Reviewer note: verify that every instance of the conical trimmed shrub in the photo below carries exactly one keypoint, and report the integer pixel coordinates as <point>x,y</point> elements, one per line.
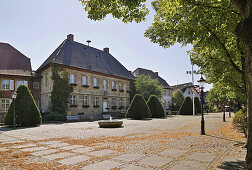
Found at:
<point>26,110</point>
<point>155,106</point>
<point>186,108</point>
<point>197,105</point>
<point>138,109</point>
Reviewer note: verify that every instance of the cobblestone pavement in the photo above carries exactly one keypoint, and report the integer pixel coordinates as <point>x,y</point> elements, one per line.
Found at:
<point>172,143</point>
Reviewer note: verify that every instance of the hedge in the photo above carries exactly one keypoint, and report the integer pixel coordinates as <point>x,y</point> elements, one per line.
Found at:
<point>26,110</point>
<point>138,109</point>
<point>186,108</point>
<point>197,105</point>
<point>155,106</point>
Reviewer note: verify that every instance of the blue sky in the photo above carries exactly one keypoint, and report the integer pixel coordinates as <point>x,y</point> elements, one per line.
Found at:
<point>36,28</point>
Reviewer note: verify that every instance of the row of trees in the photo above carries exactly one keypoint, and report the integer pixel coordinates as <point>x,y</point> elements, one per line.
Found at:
<point>219,30</point>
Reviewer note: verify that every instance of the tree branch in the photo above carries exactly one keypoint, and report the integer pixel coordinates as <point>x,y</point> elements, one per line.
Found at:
<point>226,51</point>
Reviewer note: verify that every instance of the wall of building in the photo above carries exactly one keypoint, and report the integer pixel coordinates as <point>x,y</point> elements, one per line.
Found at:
<point>189,92</point>
<point>167,98</point>
<point>76,106</point>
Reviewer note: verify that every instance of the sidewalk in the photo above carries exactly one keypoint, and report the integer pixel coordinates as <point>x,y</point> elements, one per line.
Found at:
<point>172,143</point>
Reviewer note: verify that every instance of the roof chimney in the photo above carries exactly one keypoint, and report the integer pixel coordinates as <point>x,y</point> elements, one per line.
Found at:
<point>156,73</point>
<point>70,37</point>
<point>106,49</point>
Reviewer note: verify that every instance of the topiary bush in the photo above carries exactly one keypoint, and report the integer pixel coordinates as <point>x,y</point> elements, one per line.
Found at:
<point>138,109</point>
<point>186,108</point>
<point>155,106</point>
<point>26,110</point>
<point>197,105</point>
<point>240,121</point>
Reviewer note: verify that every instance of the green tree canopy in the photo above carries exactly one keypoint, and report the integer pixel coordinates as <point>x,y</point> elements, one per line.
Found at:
<point>61,90</point>
<point>147,86</point>
<point>177,99</point>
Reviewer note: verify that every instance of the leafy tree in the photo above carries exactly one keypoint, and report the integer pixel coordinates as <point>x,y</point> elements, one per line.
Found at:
<point>61,91</point>
<point>197,105</point>
<point>155,106</point>
<point>177,99</point>
<point>186,107</point>
<point>138,109</point>
<point>147,86</point>
<point>221,28</point>
<point>26,110</point>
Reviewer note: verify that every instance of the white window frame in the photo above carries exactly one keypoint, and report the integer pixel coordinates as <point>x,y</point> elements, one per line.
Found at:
<point>5,105</point>
<point>18,83</point>
<point>95,82</point>
<point>35,85</point>
<point>127,87</point>
<point>85,100</point>
<point>5,84</point>
<point>120,86</point>
<point>104,82</point>
<point>73,100</point>
<point>96,101</point>
<point>113,85</point>
<point>72,79</point>
<point>84,80</point>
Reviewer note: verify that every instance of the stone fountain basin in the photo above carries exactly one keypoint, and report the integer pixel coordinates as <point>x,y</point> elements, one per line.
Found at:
<point>110,123</point>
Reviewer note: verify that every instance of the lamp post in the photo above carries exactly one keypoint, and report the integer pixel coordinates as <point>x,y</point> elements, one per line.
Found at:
<point>224,116</point>
<point>191,73</point>
<point>201,84</point>
<point>14,95</point>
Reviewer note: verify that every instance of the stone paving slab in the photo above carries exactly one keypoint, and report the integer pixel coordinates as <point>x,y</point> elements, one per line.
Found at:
<point>156,161</point>
<point>202,156</point>
<point>49,142</point>
<point>188,165</point>
<point>105,165</point>
<point>101,152</point>
<point>34,149</point>
<point>13,141</point>
<point>129,157</point>
<point>83,150</point>
<point>134,167</point>
<point>58,155</point>
<point>173,152</point>
<point>24,146</point>
<point>57,145</point>
<point>4,149</point>
<point>71,147</point>
<point>74,160</point>
<point>44,152</point>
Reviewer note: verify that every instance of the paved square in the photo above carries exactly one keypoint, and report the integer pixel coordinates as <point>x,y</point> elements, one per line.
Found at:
<point>44,152</point>
<point>156,161</point>
<point>58,155</point>
<point>173,152</point>
<point>57,145</point>
<point>71,147</point>
<point>202,156</point>
<point>33,149</point>
<point>129,157</point>
<point>134,167</point>
<point>24,146</point>
<point>83,150</point>
<point>105,165</point>
<point>73,160</point>
<point>101,152</point>
<point>189,165</point>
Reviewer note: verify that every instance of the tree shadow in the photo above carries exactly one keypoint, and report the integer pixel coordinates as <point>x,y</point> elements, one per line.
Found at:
<point>231,165</point>
<point>10,128</point>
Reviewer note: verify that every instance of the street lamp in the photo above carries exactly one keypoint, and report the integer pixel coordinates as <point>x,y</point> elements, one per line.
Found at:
<point>14,95</point>
<point>224,116</point>
<point>201,84</point>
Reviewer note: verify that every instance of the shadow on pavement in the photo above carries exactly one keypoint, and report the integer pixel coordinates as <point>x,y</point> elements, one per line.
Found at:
<point>231,165</point>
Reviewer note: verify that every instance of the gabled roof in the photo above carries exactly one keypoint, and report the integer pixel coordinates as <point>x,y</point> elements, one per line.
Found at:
<point>153,75</point>
<point>13,62</point>
<point>74,54</point>
<point>182,86</point>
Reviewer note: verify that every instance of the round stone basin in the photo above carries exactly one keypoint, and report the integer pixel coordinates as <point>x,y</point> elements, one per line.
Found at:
<point>110,123</point>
